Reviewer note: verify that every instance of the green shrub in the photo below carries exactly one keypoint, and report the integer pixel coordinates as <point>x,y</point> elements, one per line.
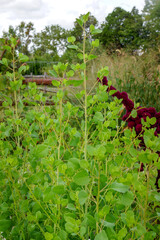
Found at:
<point>72,171</point>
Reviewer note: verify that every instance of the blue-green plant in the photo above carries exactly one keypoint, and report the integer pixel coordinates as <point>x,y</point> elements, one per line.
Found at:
<point>72,171</point>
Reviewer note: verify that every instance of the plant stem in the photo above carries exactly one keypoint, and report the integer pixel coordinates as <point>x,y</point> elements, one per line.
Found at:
<point>85,111</point>
<point>98,195</point>
<point>15,94</point>
<point>85,101</point>
<point>60,135</point>
<point>146,200</point>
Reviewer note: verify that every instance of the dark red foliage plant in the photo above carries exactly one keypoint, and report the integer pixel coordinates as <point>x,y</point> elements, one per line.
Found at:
<point>136,122</point>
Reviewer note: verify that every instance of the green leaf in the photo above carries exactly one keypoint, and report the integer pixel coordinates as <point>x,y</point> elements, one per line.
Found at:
<point>109,147</point>
<point>82,197</point>
<point>56,83</point>
<point>82,231</point>
<point>83,66</point>
<point>96,31</point>
<point>23,68</point>
<point>98,117</point>
<point>53,73</point>
<point>95,43</point>
<point>86,16</point>
<point>92,27</point>
<point>38,215</point>
<point>9,100</point>
<point>60,189</point>
<point>101,236</point>
<point>74,82</point>
<point>73,47</point>
<point>157,197</point>
<point>5,61</point>
<point>71,207</point>
<point>104,211</point>
<point>48,236</point>
<point>71,39</point>
<point>119,187</point>
<point>152,121</point>
<point>4,206</point>
<point>107,224</point>
<point>70,227</point>
<point>23,205</point>
<point>103,72</point>
<point>74,162</point>
<point>62,66</point>
<point>23,58</point>
<point>141,230</point>
<point>91,56</point>
<point>133,152</point>
<point>80,22</point>
<point>90,221</point>
<point>15,85</point>
<point>13,41</point>
<point>91,150</point>
<point>81,178</point>
<point>70,73</point>
<point>100,151</point>
<point>8,48</point>
<point>5,225</point>
<point>80,56</point>
<point>48,195</point>
<point>63,235</point>
<point>122,233</point>
<point>41,151</point>
<point>57,238</point>
<point>127,198</point>
<point>134,113</point>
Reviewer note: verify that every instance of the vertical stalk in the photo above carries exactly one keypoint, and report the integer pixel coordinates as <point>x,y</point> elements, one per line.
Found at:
<point>60,132</point>
<point>15,94</point>
<point>98,195</point>
<point>85,111</point>
<point>85,101</point>
<point>146,200</point>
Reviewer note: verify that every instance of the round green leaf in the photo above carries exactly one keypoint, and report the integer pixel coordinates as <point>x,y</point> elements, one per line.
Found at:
<point>101,236</point>
<point>82,196</point>
<point>48,236</point>
<point>119,187</point>
<point>81,178</point>
<point>55,83</point>
<point>71,39</point>
<point>98,117</point>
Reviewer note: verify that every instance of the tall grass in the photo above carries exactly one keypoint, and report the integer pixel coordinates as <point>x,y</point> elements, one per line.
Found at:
<point>139,76</point>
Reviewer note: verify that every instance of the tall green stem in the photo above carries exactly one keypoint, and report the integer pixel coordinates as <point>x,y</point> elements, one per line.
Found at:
<point>98,194</point>
<point>60,133</point>
<point>85,89</point>
<point>15,94</point>
<point>85,110</point>
<point>147,193</point>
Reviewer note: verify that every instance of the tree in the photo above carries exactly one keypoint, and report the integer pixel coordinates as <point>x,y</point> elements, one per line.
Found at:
<point>151,14</point>
<point>122,29</point>
<point>50,42</point>
<point>23,32</point>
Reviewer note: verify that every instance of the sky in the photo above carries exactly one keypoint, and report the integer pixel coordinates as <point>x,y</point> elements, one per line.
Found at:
<point>63,12</point>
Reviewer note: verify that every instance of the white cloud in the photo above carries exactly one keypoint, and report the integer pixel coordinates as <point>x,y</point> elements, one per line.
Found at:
<point>62,12</point>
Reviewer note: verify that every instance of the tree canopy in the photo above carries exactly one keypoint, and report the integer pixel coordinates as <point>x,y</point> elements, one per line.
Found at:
<point>121,29</point>
<point>151,15</point>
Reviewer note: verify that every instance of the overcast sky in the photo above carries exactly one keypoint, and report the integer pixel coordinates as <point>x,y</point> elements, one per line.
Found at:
<point>63,12</point>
